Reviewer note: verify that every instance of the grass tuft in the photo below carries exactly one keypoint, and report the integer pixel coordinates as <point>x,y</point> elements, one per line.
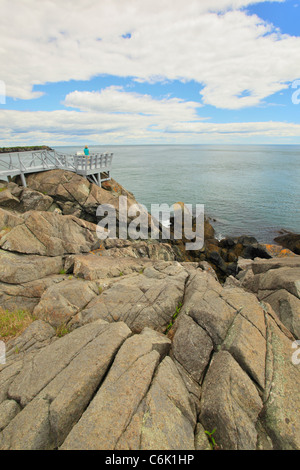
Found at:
<point>62,331</point>
<point>174,316</point>
<point>211,439</point>
<point>12,324</point>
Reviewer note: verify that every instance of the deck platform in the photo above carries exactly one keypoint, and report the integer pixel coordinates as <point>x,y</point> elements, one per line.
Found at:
<point>95,167</point>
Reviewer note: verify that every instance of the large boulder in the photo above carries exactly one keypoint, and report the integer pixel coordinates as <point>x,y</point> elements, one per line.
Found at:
<point>290,241</point>
<point>57,384</point>
<point>230,404</point>
<point>23,279</point>
<point>19,269</point>
<point>191,347</point>
<point>146,299</point>
<point>8,219</point>
<point>206,305</point>
<point>134,411</point>
<point>281,393</point>
<point>27,295</point>
<point>38,335</point>
<point>277,282</point>
<point>166,418</point>
<point>75,195</point>
<point>48,234</point>
<point>21,199</point>
<point>60,302</point>
<point>152,249</point>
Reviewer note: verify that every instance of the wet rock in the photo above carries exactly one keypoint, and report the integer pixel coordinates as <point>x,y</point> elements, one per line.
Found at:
<point>290,241</point>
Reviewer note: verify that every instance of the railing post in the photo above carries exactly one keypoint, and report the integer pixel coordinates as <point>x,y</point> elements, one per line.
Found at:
<point>23,179</point>
<point>22,167</point>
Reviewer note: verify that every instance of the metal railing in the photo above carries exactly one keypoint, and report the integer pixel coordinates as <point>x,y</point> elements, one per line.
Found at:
<point>22,163</point>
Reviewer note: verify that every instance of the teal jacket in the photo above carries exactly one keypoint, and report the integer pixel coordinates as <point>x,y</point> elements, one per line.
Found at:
<point>86,152</point>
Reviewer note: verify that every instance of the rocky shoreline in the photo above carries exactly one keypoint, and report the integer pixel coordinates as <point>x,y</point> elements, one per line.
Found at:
<point>163,345</point>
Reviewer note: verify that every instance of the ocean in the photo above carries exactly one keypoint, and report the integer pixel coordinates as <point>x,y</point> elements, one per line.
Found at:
<point>246,189</point>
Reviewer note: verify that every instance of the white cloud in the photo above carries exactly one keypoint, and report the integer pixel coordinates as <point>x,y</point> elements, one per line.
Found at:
<point>68,127</point>
<point>115,100</point>
<point>227,53</point>
<point>237,60</point>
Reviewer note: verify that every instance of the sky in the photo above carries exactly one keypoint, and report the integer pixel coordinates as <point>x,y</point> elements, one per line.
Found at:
<point>134,72</point>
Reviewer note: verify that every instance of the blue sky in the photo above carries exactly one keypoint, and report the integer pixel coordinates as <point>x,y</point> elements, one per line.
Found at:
<point>131,72</point>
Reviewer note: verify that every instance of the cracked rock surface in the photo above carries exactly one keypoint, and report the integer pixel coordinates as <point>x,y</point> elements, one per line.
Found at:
<point>157,352</point>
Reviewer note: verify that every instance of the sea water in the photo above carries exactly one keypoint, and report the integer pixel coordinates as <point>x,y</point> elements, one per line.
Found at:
<point>253,189</point>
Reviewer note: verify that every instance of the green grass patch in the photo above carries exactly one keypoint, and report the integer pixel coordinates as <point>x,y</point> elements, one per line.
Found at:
<point>174,316</point>
<point>211,439</point>
<point>12,324</point>
<point>62,331</point>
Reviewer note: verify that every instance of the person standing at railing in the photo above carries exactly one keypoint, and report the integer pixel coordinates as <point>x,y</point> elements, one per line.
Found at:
<point>87,154</point>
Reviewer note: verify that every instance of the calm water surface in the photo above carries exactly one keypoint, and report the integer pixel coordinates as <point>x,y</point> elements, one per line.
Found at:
<point>252,190</point>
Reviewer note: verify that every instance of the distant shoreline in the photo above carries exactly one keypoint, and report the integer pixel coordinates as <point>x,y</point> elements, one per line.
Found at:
<point>23,149</point>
